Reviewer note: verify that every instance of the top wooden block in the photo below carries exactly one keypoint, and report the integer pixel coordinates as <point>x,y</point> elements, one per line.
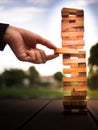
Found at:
<point>66,51</point>
<point>66,12</point>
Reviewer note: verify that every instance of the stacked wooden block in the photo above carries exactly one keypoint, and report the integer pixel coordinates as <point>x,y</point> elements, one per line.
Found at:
<point>74,59</point>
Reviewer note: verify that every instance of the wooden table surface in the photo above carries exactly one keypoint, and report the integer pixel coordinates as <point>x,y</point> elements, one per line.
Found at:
<point>44,114</point>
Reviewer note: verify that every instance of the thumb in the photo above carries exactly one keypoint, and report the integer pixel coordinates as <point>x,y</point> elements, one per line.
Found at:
<point>51,56</point>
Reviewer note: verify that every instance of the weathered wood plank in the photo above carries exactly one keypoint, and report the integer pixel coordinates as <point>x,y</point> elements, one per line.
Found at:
<point>82,74</point>
<point>69,70</point>
<point>73,29</point>
<point>75,83</point>
<point>71,11</point>
<point>16,112</point>
<point>74,97</point>
<point>77,88</point>
<point>73,46</point>
<point>76,42</point>
<point>78,27</point>
<point>71,79</point>
<point>75,102</point>
<point>93,108</point>
<point>52,118</point>
<point>74,65</point>
<point>72,17</point>
<point>81,64</point>
<point>75,56</point>
<point>74,74</point>
<point>79,93</point>
<point>70,61</point>
<point>72,34</point>
<point>65,27</point>
<point>72,38</point>
<point>66,51</point>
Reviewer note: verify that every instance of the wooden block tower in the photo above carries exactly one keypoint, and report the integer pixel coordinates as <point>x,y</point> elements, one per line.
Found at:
<point>74,59</point>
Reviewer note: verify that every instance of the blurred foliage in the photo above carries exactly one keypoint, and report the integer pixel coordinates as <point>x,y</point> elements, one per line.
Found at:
<point>93,67</point>
<point>12,77</point>
<point>31,78</point>
<point>17,77</point>
<point>26,93</point>
<point>33,75</point>
<point>93,59</point>
<point>58,76</point>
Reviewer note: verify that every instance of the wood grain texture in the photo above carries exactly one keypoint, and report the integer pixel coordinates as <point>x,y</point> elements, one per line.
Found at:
<point>66,51</point>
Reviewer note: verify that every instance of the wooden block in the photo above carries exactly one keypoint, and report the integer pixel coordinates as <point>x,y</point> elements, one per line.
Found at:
<point>74,98</point>
<point>81,64</point>
<point>70,26</point>
<point>70,21</point>
<point>79,102</point>
<point>82,54</point>
<point>77,88</point>
<point>71,11</point>
<point>66,51</point>
<point>73,17</point>
<point>67,102</point>
<point>75,104</point>
<point>70,61</point>
<point>75,84</point>
<point>71,107</point>
<point>76,42</point>
<point>69,70</point>
<point>80,111</point>
<point>83,83</point>
<point>66,56</point>
<point>74,74</point>
<point>74,56</point>
<point>73,46</point>
<point>74,65</point>
<point>79,93</point>
<point>76,79</point>
<point>72,38</point>
<point>72,29</point>
<point>72,34</point>
<point>82,74</point>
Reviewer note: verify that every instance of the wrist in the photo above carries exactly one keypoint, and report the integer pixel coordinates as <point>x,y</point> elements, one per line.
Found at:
<point>3,28</point>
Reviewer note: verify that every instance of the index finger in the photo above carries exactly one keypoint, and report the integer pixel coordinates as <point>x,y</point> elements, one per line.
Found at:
<point>46,43</point>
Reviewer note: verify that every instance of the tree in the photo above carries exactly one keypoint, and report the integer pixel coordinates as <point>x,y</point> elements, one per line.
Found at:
<point>13,77</point>
<point>1,81</point>
<point>93,67</point>
<point>58,76</point>
<point>93,59</point>
<point>33,75</point>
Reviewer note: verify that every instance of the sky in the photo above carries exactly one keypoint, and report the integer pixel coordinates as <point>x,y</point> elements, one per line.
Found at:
<point>44,18</point>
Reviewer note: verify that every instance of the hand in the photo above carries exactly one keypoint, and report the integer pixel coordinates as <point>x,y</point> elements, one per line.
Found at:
<point>23,44</point>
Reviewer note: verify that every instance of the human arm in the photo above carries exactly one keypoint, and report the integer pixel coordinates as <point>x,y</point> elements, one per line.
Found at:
<point>23,44</point>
